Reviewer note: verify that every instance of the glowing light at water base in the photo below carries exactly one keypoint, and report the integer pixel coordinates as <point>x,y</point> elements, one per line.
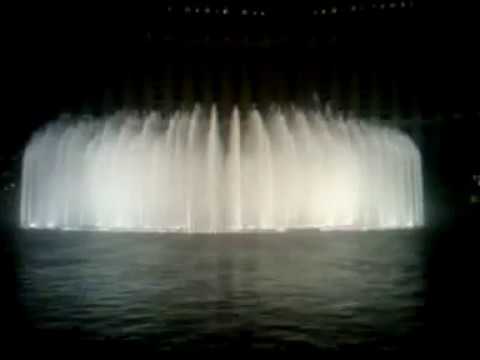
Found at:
<point>193,171</point>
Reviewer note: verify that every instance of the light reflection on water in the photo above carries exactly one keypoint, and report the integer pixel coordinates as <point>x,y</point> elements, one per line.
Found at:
<point>323,290</point>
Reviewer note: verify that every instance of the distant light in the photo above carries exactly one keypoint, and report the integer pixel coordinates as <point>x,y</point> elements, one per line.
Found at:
<point>476,178</point>
<point>262,13</point>
<point>324,11</point>
<point>354,8</point>
<point>382,6</point>
<point>187,9</point>
<point>254,13</point>
<point>197,10</point>
<point>32,225</point>
<point>402,4</point>
<point>244,12</point>
<point>207,10</point>
<point>393,5</point>
<point>225,11</point>
<point>334,10</point>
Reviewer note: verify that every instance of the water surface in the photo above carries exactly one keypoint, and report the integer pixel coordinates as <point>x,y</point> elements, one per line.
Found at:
<point>300,290</point>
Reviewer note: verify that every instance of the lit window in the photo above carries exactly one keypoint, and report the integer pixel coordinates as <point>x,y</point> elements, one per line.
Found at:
<point>197,10</point>
<point>334,10</point>
<point>244,12</point>
<point>262,13</point>
<point>225,11</point>
<point>324,11</point>
<point>207,10</point>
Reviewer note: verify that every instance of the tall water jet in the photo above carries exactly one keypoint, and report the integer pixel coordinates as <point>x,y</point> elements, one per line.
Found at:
<point>234,179</point>
<point>198,171</point>
<point>214,172</point>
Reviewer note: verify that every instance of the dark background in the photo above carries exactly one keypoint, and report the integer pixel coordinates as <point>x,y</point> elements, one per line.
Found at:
<point>411,64</point>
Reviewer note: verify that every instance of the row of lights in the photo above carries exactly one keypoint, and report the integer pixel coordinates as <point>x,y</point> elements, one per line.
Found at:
<point>224,11</point>
<point>374,6</point>
<point>333,10</point>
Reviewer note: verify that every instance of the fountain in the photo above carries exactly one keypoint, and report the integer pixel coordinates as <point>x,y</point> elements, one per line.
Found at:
<point>197,171</point>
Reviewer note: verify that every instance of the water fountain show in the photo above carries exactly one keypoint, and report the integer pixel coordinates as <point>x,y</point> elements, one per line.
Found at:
<point>240,176</point>
<point>198,171</point>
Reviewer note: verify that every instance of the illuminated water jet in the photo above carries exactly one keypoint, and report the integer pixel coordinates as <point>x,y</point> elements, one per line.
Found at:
<point>194,171</point>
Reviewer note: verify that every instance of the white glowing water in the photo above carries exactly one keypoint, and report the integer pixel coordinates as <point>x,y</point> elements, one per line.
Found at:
<point>194,172</point>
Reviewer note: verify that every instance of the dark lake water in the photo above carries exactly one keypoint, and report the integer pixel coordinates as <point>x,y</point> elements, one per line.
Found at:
<point>369,291</point>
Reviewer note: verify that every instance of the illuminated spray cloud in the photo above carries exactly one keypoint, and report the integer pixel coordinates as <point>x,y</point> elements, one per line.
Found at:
<point>197,171</point>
